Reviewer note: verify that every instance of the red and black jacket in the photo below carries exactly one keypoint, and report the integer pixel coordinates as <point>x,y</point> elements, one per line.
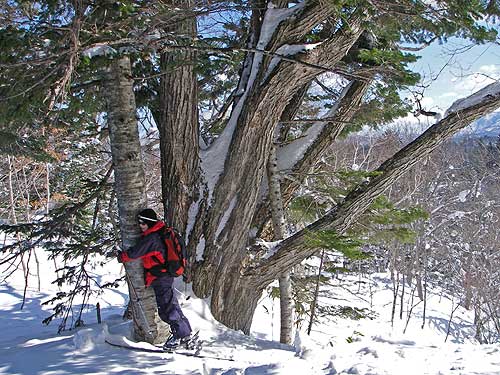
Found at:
<point>151,249</point>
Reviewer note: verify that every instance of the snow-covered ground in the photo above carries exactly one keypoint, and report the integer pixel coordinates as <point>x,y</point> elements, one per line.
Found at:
<point>337,346</point>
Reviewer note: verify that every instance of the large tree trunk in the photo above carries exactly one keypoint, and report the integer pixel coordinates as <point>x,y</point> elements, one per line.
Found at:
<point>129,186</point>
<point>178,125</point>
<point>227,268</point>
<point>265,91</point>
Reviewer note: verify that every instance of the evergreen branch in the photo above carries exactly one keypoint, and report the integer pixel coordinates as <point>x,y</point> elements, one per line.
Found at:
<point>50,227</point>
<point>30,88</point>
<point>422,46</point>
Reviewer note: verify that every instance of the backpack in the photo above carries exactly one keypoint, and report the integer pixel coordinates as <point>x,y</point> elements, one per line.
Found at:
<point>175,252</point>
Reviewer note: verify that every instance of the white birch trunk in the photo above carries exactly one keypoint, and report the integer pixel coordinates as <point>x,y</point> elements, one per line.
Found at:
<point>129,187</point>
<point>47,187</point>
<point>13,206</point>
<point>278,219</point>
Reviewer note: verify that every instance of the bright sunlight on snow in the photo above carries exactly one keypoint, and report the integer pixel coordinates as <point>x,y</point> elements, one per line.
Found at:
<point>338,345</point>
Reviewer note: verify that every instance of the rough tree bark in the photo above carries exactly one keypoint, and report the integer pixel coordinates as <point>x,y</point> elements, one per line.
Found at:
<point>178,125</point>
<point>265,90</point>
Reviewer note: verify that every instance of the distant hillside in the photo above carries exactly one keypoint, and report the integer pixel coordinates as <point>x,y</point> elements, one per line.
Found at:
<point>486,127</point>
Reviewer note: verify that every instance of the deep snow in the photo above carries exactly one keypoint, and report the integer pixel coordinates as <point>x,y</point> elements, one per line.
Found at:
<point>374,347</point>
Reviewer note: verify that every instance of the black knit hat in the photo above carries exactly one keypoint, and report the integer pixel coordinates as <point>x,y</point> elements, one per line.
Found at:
<point>147,216</point>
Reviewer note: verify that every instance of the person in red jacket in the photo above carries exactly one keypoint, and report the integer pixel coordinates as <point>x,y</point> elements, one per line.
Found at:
<point>151,249</point>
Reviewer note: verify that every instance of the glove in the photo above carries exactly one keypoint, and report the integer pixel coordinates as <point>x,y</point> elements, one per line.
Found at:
<point>117,252</point>
<point>123,257</point>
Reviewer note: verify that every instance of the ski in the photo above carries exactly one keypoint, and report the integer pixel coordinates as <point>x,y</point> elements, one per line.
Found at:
<point>161,351</point>
<point>204,356</point>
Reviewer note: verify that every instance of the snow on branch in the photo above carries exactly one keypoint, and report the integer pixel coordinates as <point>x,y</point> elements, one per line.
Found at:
<point>270,247</point>
<point>290,154</point>
<point>225,218</point>
<point>99,50</point>
<point>288,50</point>
<point>213,158</point>
<point>272,18</point>
<point>474,99</point>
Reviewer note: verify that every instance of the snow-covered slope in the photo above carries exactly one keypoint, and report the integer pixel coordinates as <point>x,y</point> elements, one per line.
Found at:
<point>486,127</point>
<point>336,346</point>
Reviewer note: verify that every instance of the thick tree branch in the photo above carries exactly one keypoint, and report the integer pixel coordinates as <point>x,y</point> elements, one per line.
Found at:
<point>345,110</point>
<point>293,250</point>
<point>293,30</point>
<point>332,127</point>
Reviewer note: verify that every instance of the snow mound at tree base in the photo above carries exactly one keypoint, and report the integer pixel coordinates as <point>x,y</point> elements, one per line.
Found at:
<point>88,339</point>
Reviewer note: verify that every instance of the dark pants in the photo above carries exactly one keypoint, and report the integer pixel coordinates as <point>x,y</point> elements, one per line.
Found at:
<point>168,307</point>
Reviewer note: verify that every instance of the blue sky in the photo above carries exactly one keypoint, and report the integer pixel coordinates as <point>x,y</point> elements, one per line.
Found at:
<point>455,70</point>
